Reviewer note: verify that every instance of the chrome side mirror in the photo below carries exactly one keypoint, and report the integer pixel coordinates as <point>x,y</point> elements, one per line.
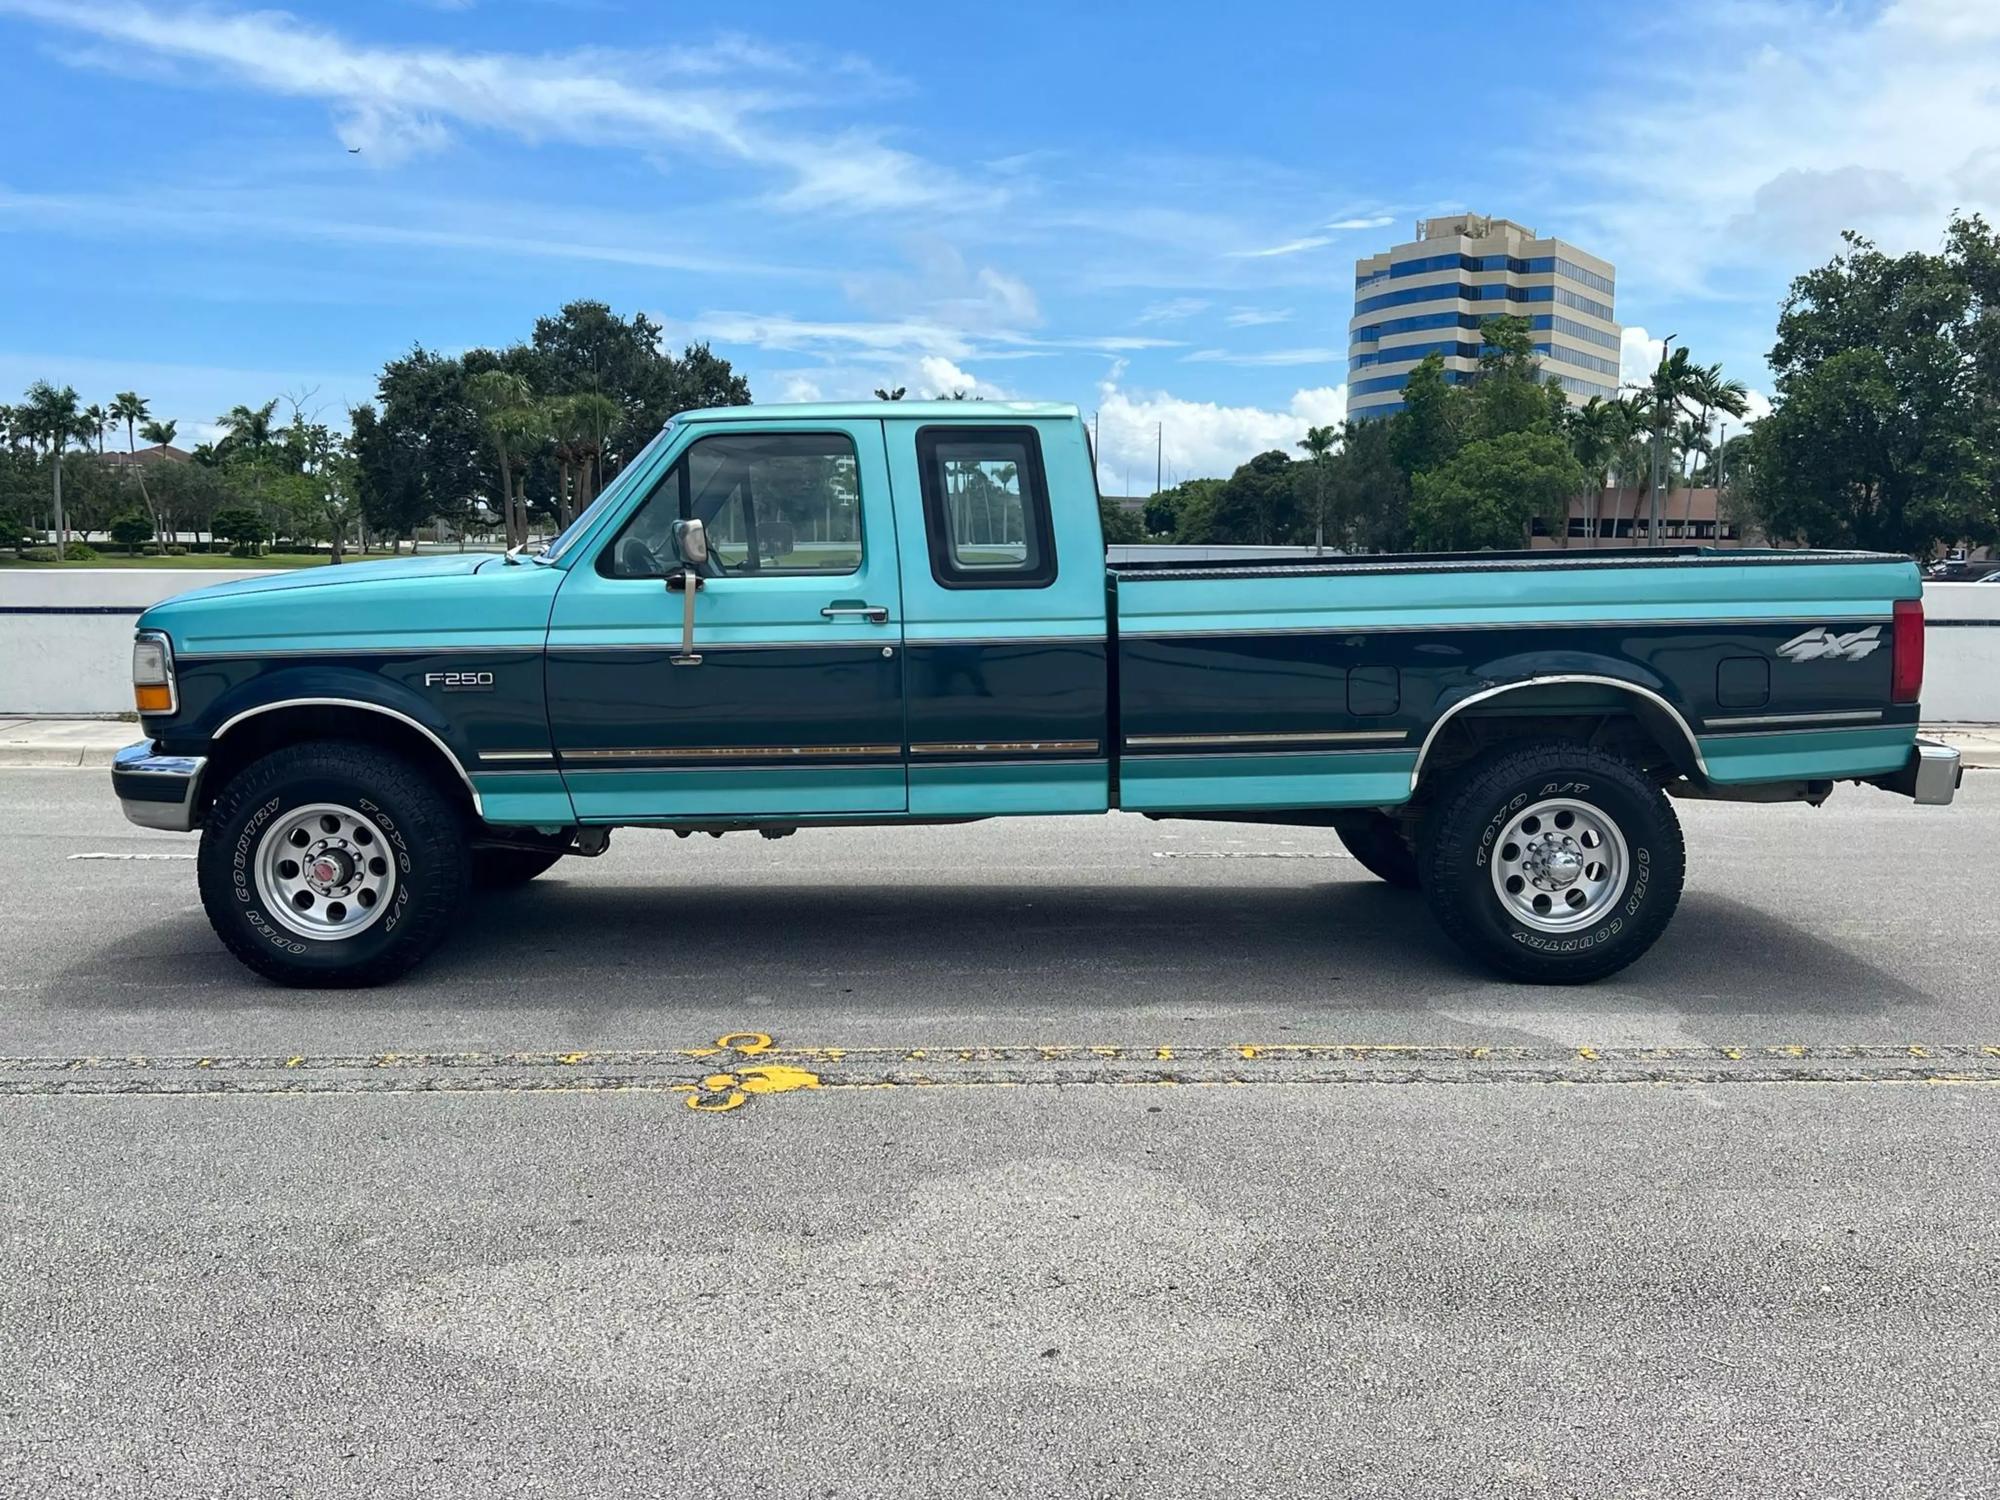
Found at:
<point>691,540</point>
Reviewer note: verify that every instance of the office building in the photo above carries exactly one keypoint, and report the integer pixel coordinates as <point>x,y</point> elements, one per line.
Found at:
<point>1432,294</point>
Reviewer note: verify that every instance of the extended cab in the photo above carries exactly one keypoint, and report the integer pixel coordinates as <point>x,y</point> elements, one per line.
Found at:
<point>787,617</point>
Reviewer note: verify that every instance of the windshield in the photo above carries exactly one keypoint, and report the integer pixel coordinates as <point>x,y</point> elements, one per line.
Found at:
<point>613,493</point>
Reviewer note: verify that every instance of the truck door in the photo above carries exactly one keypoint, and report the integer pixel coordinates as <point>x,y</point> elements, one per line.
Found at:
<point>791,703</point>
<point>1003,563</point>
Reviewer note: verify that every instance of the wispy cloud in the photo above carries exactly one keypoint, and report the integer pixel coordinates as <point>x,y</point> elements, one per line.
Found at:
<point>1258,317</point>
<point>1376,221</point>
<point>1289,247</point>
<point>733,97</point>
<point>1173,310</point>
<point>1320,356</point>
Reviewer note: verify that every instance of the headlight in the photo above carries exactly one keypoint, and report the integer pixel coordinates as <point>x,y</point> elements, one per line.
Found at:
<point>153,674</point>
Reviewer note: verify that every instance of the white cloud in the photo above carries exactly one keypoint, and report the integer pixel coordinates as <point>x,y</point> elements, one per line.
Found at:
<point>1198,438</point>
<point>1789,121</point>
<point>1173,310</point>
<point>800,388</point>
<point>1639,356</point>
<point>1289,247</point>
<point>940,377</point>
<point>1376,221</point>
<point>397,100</point>
<point>1257,317</point>
<point>1264,357</point>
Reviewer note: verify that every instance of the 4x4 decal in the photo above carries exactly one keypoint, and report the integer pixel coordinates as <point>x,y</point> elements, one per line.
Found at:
<point>1821,644</point>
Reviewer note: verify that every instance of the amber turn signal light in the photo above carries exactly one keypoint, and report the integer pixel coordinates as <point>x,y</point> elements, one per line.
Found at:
<point>153,700</point>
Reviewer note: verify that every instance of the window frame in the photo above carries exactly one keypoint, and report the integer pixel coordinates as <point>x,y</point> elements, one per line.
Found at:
<point>678,474</point>
<point>1036,517</point>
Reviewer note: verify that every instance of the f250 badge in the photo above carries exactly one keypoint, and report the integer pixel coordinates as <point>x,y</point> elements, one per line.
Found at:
<point>1821,644</point>
<point>460,682</point>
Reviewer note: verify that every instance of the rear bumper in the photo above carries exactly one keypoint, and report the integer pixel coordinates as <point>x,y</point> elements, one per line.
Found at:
<point>157,791</point>
<point>1930,776</point>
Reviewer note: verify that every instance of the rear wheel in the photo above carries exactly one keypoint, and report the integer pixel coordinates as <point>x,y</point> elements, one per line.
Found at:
<point>1553,861</point>
<point>1376,840</point>
<point>332,864</point>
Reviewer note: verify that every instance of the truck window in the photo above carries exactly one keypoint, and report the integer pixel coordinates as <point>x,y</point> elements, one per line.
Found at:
<point>986,507</point>
<point>771,502</point>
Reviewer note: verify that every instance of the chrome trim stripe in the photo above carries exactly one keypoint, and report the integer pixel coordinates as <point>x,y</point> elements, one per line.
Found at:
<point>376,708</point>
<point>1844,716</point>
<point>731,752</point>
<point>515,755</point>
<point>1005,640</point>
<point>1751,734</point>
<point>1003,762</point>
<point>1559,680</point>
<point>1011,747</point>
<point>534,650</point>
<point>1239,752</point>
<point>1134,634</point>
<point>1330,736</point>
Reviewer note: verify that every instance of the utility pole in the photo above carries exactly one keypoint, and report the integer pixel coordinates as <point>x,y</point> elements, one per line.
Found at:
<point>1659,428</point>
<point>1159,454</point>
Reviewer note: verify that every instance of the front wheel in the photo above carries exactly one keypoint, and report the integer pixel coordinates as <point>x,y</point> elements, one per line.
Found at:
<point>1553,861</point>
<point>332,865</point>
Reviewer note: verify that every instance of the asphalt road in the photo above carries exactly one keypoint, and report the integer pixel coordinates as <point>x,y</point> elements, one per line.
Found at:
<point>1698,1231</point>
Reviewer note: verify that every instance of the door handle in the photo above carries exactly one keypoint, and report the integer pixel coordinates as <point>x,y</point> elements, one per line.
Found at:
<point>874,614</point>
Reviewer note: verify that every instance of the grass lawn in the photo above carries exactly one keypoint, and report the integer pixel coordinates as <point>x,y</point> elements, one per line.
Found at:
<point>220,561</point>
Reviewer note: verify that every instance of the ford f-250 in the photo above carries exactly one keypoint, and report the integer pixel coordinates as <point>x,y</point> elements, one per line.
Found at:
<point>779,618</point>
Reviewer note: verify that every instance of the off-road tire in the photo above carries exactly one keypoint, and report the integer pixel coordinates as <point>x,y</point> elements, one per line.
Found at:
<point>1377,842</point>
<point>423,827</point>
<point>1457,848</point>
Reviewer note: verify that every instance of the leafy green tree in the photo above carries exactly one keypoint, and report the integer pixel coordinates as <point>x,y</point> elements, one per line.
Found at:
<point>1426,432</point>
<point>130,530</point>
<point>1597,431</point>
<point>242,526</point>
<point>1260,503</point>
<point>249,433</point>
<point>1370,492</point>
<point>1486,493</point>
<point>1121,526</point>
<point>1885,431</point>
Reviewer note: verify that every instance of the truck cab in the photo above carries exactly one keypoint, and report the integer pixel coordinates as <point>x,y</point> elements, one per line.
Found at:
<point>779,618</point>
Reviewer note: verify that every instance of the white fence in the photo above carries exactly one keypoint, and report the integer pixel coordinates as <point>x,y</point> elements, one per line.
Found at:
<point>66,640</point>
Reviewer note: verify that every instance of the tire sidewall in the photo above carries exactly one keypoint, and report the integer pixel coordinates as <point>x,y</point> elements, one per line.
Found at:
<point>1462,864</point>
<point>258,802</point>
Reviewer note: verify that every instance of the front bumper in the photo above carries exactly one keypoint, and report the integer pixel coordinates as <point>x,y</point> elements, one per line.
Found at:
<point>1930,776</point>
<point>157,791</point>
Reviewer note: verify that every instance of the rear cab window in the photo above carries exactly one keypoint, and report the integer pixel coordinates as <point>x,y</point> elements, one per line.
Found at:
<point>986,507</point>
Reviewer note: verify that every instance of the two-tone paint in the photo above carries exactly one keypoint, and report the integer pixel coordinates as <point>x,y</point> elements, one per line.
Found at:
<point>551,687</point>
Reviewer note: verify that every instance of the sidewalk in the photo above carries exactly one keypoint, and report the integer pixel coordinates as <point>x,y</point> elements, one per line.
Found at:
<point>92,742</point>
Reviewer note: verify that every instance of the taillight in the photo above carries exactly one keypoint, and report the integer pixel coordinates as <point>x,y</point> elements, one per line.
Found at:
<point>1906,671</point>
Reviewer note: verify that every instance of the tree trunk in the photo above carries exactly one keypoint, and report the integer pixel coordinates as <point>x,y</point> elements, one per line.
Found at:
<point>62,524</point>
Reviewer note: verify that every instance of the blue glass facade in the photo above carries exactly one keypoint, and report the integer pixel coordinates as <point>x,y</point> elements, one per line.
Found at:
<point>1532,265</point>
<point>1497,292</point>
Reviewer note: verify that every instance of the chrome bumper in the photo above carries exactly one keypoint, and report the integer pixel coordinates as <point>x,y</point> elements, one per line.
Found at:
<point>1930,776</point>
<point>157,791</point>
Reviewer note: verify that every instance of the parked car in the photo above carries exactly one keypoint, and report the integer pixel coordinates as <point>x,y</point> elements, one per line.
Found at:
<point>821,616</point>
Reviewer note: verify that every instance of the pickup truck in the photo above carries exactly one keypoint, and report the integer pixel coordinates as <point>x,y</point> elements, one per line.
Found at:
<point>791,617</point>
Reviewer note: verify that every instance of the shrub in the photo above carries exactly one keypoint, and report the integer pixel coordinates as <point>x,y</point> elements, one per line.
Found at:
<point>130,529</point>
<point>175,549</point>
<point>39,554</point>
<point>80,552</point>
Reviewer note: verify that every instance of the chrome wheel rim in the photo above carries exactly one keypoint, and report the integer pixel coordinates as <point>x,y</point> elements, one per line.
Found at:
<point>325,872</point>
<point>1560,865</point>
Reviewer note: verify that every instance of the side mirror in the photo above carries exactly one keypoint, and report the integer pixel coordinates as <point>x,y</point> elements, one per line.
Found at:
<point>691,539</point>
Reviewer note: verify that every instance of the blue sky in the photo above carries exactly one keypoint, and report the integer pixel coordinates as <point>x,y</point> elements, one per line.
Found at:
<point>1150,210</point>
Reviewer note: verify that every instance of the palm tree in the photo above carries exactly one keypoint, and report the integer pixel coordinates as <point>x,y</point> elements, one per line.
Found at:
<point>130,408</point>
<point>1713,394</point>
<point>1597,429</point>
<point>55,419</point>
<point>593,418</point>
<point>502,401</point>
<point>249,428</point>
<point>95,420</point>
<point>160,434</point>
<point>1320,443</point>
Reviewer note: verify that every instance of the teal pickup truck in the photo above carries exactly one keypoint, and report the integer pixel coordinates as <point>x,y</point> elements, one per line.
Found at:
<point>786,617</point>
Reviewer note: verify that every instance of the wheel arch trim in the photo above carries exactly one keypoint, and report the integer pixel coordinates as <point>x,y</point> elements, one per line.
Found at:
<point>1559,679</point>
<point>421,728</point>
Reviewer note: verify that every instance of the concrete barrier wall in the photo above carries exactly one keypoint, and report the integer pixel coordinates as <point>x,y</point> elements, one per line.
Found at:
<point>66,640</point>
